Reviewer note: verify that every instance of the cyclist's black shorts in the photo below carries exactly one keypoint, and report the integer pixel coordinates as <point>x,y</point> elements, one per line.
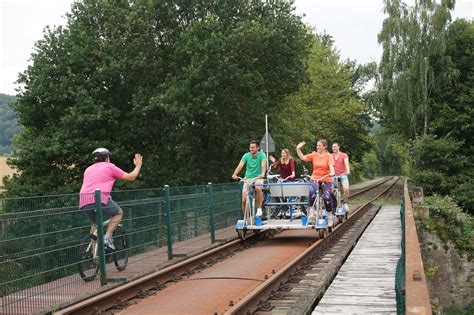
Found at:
<point>108,210</point>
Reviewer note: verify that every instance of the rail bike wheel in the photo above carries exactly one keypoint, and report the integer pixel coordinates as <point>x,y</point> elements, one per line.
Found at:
<point>341,218</point>
<point>88,265</point>
<point>120,254</point>
<point>323,233</point>
<point>242,234</point>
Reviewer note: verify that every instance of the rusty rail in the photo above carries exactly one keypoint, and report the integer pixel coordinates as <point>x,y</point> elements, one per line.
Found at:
<point>417,299</point>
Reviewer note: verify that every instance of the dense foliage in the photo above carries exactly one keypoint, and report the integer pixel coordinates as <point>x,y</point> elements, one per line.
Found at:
<point>450,223</point>
<point>424,98</point>
<point>414,42</point>
<point>328,106</point>
<point>8,123</point>
<point>187,84</point>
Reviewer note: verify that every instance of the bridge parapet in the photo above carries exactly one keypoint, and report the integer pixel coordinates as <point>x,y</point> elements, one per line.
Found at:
<point>416,296</point>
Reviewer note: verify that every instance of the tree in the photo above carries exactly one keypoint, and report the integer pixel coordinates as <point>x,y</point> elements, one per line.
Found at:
<point>413,38</point>
<point>424,91</point>
<point>454,108</point>
<point>184,83</point>
<point>453,101</point>
<point>8,123</point>
<point>327,106</point>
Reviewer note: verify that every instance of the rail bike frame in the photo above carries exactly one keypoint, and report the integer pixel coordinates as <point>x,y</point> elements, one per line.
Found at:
<point>340,211</point>
<point>276,196</point>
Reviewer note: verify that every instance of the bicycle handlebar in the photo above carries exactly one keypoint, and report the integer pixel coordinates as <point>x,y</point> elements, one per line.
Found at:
<point>316,179</point>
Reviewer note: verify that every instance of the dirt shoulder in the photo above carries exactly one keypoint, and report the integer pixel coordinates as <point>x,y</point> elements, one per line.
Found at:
<point>4,168</point>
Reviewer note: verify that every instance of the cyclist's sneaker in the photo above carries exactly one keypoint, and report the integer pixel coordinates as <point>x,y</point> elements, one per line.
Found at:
<point>108,242</point>
<point>345,206</point>
<point>259,212</point>
<point>312,220</point>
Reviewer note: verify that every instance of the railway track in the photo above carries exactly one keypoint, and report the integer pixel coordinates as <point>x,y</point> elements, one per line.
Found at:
<point>285,272</point>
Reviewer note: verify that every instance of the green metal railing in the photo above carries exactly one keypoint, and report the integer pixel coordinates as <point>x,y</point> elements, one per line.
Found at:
<point>40,239</point>
<point>400,271</point>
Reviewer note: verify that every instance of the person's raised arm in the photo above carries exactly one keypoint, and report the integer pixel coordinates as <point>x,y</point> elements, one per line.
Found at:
<point>298,150</point>
<point>237,171</point>
<point>130,177</point>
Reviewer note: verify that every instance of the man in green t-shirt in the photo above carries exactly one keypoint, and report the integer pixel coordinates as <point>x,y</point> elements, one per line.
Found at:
<point>255,163</point>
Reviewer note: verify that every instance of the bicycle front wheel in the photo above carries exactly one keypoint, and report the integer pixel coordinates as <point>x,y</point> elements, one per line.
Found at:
<point>120,254</point>
<point>88,265</point>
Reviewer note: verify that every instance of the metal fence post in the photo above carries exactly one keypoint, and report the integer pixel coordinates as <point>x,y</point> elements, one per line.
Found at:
<point>168,221</point>
<point>100,235</point>
<point>211,212</point>
<point>130,226</point>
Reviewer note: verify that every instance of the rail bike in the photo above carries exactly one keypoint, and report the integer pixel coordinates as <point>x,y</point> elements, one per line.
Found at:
<point>285,206</point>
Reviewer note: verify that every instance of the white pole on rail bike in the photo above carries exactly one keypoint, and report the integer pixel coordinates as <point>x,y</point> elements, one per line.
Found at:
<point>266,141</point>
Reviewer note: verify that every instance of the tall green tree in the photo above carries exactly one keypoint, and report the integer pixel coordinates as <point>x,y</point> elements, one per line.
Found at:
<point>453,101</point>
<point>413,39</point>
<point>8,123</point>
<point>185,83</point>
<point>453,111</point>
<point>328,106</point>
<point>425,92</point>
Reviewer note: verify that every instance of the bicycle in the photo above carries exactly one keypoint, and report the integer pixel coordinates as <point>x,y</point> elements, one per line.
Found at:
<point>89,253</point>
<point>320,212</point>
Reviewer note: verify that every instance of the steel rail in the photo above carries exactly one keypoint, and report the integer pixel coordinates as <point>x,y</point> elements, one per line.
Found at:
<point>127,291</point>
<point>363,190</point>
<point>118,294</point>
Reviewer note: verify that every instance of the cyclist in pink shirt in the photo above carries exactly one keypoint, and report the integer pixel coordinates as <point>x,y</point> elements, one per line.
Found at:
<point>102,175</point>
<point>341,167</point>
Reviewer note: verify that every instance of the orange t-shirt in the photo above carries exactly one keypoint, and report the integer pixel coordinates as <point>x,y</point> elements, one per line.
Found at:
<point>320,165</point>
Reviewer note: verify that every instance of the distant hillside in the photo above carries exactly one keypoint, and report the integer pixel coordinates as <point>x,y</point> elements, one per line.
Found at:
<point>8,123</point>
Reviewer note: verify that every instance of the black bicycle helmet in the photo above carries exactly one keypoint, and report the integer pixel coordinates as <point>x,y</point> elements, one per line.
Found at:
<point>100,154</point>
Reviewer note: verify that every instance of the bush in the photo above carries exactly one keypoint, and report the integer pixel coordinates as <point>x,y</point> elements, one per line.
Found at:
<point>464,195</point>
<point>440,168</point>
<point>447,219</point>
<point>370,164</point>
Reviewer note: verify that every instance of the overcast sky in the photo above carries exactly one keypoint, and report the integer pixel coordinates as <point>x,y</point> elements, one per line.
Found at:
<point>354,25</point>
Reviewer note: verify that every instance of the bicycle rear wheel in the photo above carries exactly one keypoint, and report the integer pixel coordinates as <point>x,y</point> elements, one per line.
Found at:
<point>88,265</point>
<point>120,254</point>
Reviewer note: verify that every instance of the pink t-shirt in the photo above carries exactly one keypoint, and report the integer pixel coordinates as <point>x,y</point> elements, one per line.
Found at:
<point>339,166</point>
<point>102,176</point>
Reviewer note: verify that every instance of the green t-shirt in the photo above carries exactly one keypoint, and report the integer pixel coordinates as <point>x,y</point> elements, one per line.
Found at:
<point>253,165</point>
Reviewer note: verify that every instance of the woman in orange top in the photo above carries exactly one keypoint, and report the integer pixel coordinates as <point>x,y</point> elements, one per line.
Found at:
<point>323,169</point>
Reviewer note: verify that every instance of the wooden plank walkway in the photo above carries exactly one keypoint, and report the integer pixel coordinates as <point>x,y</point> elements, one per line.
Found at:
<point>366,282</point>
